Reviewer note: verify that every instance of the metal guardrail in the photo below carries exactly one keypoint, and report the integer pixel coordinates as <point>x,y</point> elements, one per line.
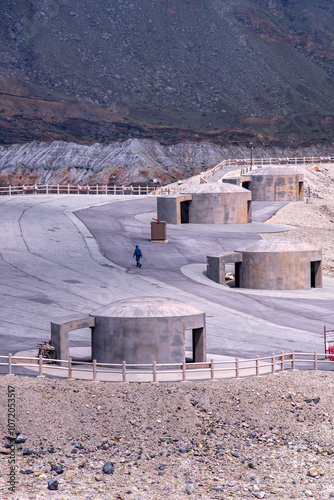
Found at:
<point>141,190</point>
<point>154,372</point>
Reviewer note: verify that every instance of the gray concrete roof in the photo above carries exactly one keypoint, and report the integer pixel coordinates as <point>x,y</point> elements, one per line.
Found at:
<point>273,171</point>
<point>279,245</point>
<point>147,307</point>
<point>215,187</point>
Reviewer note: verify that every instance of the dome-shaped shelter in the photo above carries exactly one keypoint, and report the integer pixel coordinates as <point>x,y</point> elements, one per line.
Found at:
<point>137,331</point>
<point>273,264</point>
<point>272,184</point>
<point>145,330</point>
<point>212,203</point>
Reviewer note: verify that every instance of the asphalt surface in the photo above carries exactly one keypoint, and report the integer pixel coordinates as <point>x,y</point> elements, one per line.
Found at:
<point>60,258</point>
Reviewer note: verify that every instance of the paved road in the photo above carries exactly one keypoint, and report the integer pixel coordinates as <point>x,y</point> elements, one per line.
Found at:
<point>254,323</point>
<point>52,266</point>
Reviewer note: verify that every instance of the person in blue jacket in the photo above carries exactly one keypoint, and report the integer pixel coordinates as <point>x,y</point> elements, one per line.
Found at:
<point>137,253</point>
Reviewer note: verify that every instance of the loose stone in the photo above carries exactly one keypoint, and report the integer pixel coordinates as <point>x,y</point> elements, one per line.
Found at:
<point>313,472</point>
<point>26,451</point>
<point>108,468</point>
<point>53,484</point>
<point>190,488</point>
<point>21,438</point>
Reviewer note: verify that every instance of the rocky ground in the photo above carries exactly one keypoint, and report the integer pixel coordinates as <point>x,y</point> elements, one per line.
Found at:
<point>267,437</point>
<point>315,220</point>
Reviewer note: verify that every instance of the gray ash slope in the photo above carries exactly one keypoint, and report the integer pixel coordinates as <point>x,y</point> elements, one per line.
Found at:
<point>127,162</point>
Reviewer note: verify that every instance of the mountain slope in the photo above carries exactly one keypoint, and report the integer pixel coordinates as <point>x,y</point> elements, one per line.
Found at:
<point>259,65</point>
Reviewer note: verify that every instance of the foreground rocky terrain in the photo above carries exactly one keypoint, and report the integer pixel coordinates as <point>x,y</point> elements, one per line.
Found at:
<point>268,437</point>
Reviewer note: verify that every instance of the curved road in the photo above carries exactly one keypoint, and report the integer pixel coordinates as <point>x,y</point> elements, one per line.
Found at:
<point>53,266</point>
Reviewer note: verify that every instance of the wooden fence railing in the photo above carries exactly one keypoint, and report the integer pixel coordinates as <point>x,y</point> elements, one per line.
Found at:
<point>247,163</point>
<point>75,189</point>
<point>212,370</point>
<point>252,162</point>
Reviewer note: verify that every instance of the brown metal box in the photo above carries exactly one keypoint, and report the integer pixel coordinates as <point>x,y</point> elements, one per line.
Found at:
<point>158,231</point>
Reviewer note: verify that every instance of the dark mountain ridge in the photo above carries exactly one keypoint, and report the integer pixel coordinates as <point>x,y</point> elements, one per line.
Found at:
<point>238,70</point>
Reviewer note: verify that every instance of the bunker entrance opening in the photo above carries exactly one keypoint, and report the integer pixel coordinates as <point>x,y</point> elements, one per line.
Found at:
<point>238,274</point>
<point>194,345</point>
<point>316,274</point>
<point>184,209</point>
<point>80,344</point>
<point>300,190</point>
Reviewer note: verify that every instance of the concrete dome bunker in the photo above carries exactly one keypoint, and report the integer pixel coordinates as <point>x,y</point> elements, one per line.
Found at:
<point>138,331</point>
<point>274,264</point>
<point>271,184</point>
<point>213,203</point>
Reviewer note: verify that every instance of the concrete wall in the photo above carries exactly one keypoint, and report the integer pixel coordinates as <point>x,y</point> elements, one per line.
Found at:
<point>169,207</point>
<point>271,187</point>
<point>60,333</point>
<point>215,268</point>
<point>207,208</point>
<point>146,339</point>
<point>221,208</point>
<point>298,269</point>
<point>276,187</point>
<point>278,271</point>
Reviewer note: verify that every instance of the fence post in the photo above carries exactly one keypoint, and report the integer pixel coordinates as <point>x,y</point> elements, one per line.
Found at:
<point>57,188</point>
<point>212,369</point>
<point>94,371</point>
<point>106,189</point>
<point>154,366</point>
<point>282,361</point>
<point>273,363</point>
<point>10,190</point>
<point>10,364</point>
<point>40,367</point>
<point>292,359</point>
<point>184,370</point>
<point>257,366</point>
<point>69,376</point>
<point>47,189</point>
<point>68,189</point>
<point>236,367</point>
<point>315,361</point>
<point>123,371</point>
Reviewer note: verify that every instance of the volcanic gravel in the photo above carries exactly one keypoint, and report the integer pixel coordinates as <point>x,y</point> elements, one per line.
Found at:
<point>261,437</point>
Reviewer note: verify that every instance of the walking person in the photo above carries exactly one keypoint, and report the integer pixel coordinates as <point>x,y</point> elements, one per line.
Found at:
<point>137,253</point>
